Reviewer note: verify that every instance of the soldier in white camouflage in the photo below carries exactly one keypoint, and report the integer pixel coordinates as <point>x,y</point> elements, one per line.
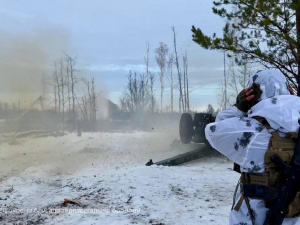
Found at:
<point>264,119</point>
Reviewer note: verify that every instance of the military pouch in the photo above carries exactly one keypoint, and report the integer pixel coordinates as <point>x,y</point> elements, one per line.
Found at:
<point>266,186</point>
<point>262,178</point>
<point>257,191</point>
<point>294,207</point>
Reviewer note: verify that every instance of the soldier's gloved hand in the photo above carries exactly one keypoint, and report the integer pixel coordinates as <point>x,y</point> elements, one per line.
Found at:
<point>248,97</point>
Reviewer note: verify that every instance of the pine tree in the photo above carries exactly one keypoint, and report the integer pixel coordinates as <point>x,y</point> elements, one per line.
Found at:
<point>267,32</point>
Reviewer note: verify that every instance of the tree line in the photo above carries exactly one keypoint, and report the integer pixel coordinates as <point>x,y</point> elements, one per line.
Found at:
<point>139,94</point>
<point>79,105</point>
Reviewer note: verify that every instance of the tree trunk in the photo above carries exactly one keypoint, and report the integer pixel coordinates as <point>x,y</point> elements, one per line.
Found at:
<point>178,71</point>
<point>298,47</point>
<point>172,97</point>
<point>62,81</point>
<point>225,81</point>
<point>55,98</point>
<point>185,83</point>
<point>68,86</point>
<point>184,89</point>
<point>56,80</point>
<point>147,64</point>
<point>187,87</point>
<point>161,89</point>
<point>152,77</point>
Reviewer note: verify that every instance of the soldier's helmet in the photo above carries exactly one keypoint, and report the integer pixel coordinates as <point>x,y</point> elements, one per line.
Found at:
<point>272,83</point>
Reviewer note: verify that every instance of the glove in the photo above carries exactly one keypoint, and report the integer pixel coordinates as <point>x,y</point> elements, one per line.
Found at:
<point>248,97</point>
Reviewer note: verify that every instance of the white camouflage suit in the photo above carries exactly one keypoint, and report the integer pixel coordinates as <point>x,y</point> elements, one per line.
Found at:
<point>245,141</point>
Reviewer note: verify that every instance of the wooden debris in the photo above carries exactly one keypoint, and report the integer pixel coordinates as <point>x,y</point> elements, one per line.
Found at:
<point>129,199</point>
<point>68,201</point>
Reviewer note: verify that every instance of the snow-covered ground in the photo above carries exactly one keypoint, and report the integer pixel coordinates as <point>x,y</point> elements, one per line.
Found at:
<point>101,178</point>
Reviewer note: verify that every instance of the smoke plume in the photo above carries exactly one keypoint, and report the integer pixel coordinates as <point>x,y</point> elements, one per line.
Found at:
<point>25,62</point>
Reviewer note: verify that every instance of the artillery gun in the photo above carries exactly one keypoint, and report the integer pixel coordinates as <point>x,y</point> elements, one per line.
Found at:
<point>191,130</point>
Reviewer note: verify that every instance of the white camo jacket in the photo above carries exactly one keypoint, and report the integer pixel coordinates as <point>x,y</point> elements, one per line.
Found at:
<point>244,140</point>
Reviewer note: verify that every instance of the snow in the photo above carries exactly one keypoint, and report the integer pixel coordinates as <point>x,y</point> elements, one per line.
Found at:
<point>105,176</point>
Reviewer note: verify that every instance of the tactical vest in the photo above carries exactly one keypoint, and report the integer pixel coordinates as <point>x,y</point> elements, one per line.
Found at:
<point>270,181</point>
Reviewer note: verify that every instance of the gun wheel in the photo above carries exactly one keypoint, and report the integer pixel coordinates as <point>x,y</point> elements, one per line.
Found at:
<point>186,128</point>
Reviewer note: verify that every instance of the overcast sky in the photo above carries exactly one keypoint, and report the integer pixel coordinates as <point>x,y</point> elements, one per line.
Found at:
<point>109,39</point>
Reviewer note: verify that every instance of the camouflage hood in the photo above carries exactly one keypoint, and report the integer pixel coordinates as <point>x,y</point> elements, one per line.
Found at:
<point>272,83</point>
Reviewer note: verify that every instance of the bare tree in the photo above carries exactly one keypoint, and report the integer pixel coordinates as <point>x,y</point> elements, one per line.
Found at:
<point>55,96</point>
<point>161,58</point>
<point>88,105</point>
<point>188,90</point>
<point>222,101</point>
<point>152,79</point>
<point>245,70</point>
<point>225,82</point>
<point>62,84</point>
<point>71,85</point>
<point>45,83</point>
<point>68,82</point>
<point>147,64</point>
<point>87,100</point>
<point>127,99</point>
<point>237,78</point>
<point>178,71</point>
<point>136,97</point>
<point>170,69</point>
<point>229,85</point>
<point>186,83</point>
<point>57,93</point>
<point>94,96</point>
<point>232,75</point>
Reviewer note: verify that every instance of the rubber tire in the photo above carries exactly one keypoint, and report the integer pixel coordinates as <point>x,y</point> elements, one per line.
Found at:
<point>186,128</point>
